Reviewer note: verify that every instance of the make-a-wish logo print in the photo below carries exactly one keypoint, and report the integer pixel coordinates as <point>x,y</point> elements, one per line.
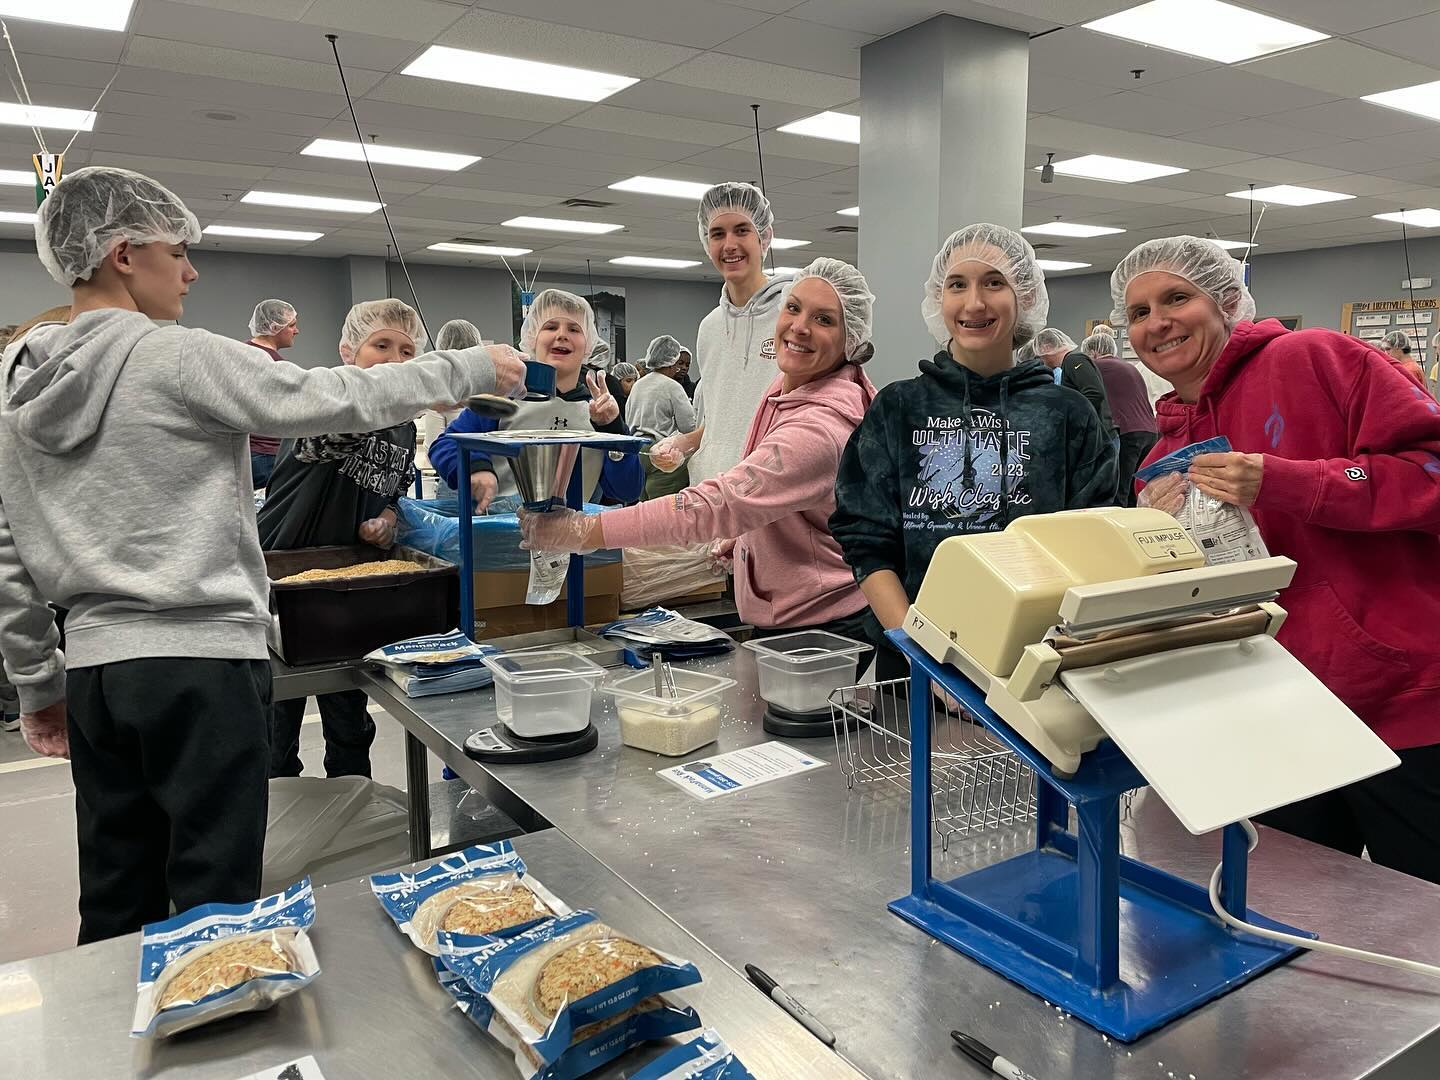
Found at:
<point>980,493</point>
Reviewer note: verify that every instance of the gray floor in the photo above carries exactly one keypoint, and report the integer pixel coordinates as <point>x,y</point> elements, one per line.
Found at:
<point>39,888</point>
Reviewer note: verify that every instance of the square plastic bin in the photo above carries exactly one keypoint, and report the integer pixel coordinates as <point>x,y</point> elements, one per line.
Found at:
<point>799,672</point>
<point>664,724</point>
<point>544,693</point>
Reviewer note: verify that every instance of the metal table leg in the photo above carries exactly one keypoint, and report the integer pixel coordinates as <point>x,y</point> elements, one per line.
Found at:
<point>417,790</point>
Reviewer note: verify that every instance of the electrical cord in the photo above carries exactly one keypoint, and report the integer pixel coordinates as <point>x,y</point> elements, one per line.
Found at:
<point>1304,942</point>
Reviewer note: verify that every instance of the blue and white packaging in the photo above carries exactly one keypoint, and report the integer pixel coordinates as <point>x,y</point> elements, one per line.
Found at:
<point>221,959</point>
<point>549,987</point>
<point>1224,533</point>
<point>706,1057</point>
<point>435,664</point>
<point>484,892</point>
<point>668,632</point>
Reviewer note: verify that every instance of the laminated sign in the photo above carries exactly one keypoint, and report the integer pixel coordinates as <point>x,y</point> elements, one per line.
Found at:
<point>48,169</point>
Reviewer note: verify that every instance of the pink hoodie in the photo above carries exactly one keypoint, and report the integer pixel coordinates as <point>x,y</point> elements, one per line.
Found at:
<point>776,501</point>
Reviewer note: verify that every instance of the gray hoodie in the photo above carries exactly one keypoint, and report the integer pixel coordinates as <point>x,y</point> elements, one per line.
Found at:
<point>125,483</point>
<point>735,355</point>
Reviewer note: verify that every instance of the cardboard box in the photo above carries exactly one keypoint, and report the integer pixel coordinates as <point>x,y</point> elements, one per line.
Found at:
<point>500,608</point>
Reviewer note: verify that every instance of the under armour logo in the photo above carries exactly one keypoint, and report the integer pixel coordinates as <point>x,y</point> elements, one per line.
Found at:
<point>1354,472</point>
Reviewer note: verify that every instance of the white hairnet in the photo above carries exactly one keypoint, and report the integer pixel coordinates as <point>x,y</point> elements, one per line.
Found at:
<point>663,352</point>
<point>737,198</point>
<point>1100,344</point>
<point>270,317</point>
<point>551,302</point>
<point>458,334</point>
<point>857,303</point>
<point>1203,263</point>
<point>625,370</point>
<point>1395,339</point>
<point>93,210</point>
<point>1050,339</point>
<point>367,317</point>
<point>1103,328</point>
<point>1006,251</point>
<point>599,358</point>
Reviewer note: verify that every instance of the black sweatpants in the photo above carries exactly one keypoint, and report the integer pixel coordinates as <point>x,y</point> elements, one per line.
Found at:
<point>349,731</point>
<point>1134,445</point>
<point>1395,815</point>
<point>169,757</point>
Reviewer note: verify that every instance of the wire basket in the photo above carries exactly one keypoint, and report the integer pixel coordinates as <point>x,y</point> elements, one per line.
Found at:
<point>976,783</point>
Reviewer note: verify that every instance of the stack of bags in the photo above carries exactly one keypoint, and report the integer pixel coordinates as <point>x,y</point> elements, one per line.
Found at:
<point>435,664</point>
<point>674,637</point>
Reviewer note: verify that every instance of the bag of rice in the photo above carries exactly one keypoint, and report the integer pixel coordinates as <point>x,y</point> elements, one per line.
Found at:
<point>571,986</point>
<point>220,959</point>
<point>706,1057</point>
<point>481,891</point>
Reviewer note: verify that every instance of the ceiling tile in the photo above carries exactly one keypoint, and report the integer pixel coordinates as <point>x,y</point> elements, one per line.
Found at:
<point>1151,115</point>
<point>1417,39</point>
<point>559,43</point>
<point>1237,91</point>
<point>1342,68</point>
<point>659,126</point>
<point>1265,171</point>
<point>414,20</point>
<point>802,44</point>
<point>1365,155</point>
<point>1077,53</point>
<point>228,93</point>
<point>1352,119</point>
<point>561,157</point>
<point>695,23</point>
<point>392,117</point>
<point>652,95</point>
<point>732,164</point>
<point>714,71</point>
<point>277,9</point>
<point>805,148</point>
<point>215,62</point>
<point>1053,132</point>
<point>607,142</point>
<point>47,39</point>
<point>1342,16</point>
<point>1262,137</point>
<point>435,94</point>
<point>1049,93</point>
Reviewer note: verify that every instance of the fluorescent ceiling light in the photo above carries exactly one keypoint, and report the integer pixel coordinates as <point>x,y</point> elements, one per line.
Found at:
<point>657,185</point>
<point>17,177</point>
<point>1232,245</point>
<point>380,154</point>
<point>1422,100</point>
<point>1290,195</point>
<point>1424,218</point>
<point>839,126</point>
<point>15,217</point>
<point>1070,228</point>
<point>479,249</point>
<point>1113,169</point>
<point>310,202</point>
<point>548,224</point>
<point>95,14</point>
<point>1059,264</point>
<point>781,244</point>
<point>262,234</point>
<point>522,76</point>
<point>645,260</point>
<point>849,211</point>
<point>46,116</point>
<point>1208,28</point>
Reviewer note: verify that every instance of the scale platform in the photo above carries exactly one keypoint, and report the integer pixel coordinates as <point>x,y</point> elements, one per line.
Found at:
<point>498,745</point>
<point>1120,944</point>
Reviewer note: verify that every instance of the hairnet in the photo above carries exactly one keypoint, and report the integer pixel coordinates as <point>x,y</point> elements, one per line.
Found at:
<point>550,302</point>
<point>738,198</point>
<point>857,303</point>
<point>1395,339</point>
<point>625,370</point>
<point>1103,328</point>
<point>1006,251</point>
<point>92,210</point>
<point>1099,344</point>
<point>1050,339</point>
<point>663,352</point>
<point>369,316</point>
<point>270,317</point>
<point>458,334</point>
<point>1203,263</point>
<point>1025,352</point>
<point>599,358</point>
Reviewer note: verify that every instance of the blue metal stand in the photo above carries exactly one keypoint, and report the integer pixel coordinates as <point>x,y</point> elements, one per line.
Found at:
<point>1122,945</point>
<point>491,443</point>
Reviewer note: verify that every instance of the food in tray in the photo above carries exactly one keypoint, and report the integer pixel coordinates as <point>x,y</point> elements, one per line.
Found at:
<point>473,910</point>
<point>364,569</point>
<point>586,967</point>
<point>670,730</point>
<point>230,963</point>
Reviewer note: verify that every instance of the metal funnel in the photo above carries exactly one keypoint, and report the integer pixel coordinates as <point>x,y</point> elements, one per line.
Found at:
<point>542,473</point>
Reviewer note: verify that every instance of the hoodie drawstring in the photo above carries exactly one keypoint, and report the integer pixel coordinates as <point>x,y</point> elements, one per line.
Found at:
<point>967,474</point>
<point>1005,452</point>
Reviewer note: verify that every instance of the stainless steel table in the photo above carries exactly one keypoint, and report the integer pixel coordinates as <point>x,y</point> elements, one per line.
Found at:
<point>795,876</point>
<point>375,1011</point>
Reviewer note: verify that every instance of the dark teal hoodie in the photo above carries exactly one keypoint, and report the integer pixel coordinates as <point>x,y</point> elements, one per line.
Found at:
<point>927,462</point>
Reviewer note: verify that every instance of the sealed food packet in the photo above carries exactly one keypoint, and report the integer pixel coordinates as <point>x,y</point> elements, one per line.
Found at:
<point>1223,533</point>
<point>546,989</point>
<point>483,891</point>
<point>706,1057</point>
<point>217,960</point>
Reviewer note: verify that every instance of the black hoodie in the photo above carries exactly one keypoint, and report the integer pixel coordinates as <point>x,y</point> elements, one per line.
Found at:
<point>926,463</point>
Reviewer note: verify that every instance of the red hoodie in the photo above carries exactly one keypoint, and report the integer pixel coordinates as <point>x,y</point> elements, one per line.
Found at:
<point>1351,492</point>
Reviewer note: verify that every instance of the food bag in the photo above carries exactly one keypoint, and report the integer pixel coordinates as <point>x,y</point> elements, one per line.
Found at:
<point>1223,533</point>
<point>706,1057</point>
<point>221,959</point>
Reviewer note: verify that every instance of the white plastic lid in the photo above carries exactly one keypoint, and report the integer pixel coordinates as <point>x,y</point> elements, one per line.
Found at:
<point>542,667</point>
<point>806,646</point>
<point>691,687</point>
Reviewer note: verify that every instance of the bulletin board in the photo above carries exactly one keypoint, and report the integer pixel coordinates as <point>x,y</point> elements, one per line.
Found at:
<point>1371,320</point>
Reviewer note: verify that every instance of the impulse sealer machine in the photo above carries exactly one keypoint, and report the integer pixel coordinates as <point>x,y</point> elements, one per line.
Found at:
<point>1104,652</point>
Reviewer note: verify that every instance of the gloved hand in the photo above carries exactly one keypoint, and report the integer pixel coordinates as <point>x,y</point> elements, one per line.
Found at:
<point>561,530</point>
<point>45,731</point>
<point>483,486</point>
<point>379,532</point>
<point>1166,493</point>
<point>668,454</point>
<point>722,556</point>
<point>603,406</point>
<point>509,370</point>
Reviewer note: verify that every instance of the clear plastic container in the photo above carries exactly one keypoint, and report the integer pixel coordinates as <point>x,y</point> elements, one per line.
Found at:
<point>544,693</point>
<point>669,725</point>
<point>799,672</point>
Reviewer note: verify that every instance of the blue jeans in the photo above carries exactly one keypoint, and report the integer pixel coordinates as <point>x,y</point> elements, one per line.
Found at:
<point>261,466</point>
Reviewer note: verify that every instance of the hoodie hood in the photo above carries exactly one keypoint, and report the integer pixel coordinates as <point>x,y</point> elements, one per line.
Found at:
<point>58,380</point>
<point>759,310</point>
<point>847,391</point>
<point>1173,416</point>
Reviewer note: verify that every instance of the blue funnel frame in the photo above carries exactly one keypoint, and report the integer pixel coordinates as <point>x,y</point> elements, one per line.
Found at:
<point>1124,946</point>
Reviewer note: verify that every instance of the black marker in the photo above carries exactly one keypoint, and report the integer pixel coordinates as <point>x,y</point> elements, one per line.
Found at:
<point>772,990</point>
<point>986,1058</point>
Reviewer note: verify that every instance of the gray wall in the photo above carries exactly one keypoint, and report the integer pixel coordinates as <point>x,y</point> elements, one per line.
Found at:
<point>1312,284</point>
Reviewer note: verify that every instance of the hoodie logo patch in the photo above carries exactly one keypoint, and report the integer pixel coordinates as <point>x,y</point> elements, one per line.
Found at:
<point>1275,426</point>
<point>1355,473</point>
<point>767,349</point>
<point>960,471</point>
